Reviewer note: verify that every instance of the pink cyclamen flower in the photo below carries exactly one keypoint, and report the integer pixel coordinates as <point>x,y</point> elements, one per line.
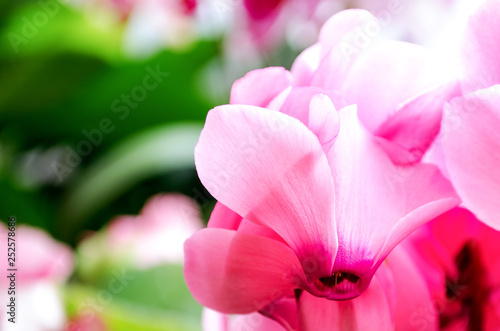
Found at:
<point>309,199</point>
<point>470,136</point>
<point>459,257</point>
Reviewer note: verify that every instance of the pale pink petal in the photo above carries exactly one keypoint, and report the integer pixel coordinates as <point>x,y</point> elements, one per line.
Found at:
<point>386,75</point>
<point>306,64</point>
<point>237,273</point>
<point>259,87</point>
<point>416,123</point>
<point>369,311</point>
<point>471,142</point>
<point>481,48</point>
<point>429,195</point>
<point>414,303</point>
<point>342,39</point>
<point>270,169</point>
<point>323,120</point>
<point>224,218</point>
<point>367,204</point>
<point>298,100</point>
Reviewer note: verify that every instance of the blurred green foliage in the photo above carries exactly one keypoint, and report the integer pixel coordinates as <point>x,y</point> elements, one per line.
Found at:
<point>88,133</point>
<point>58,84</point>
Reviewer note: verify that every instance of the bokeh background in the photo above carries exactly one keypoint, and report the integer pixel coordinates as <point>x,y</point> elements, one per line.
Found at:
<point>101,105</point>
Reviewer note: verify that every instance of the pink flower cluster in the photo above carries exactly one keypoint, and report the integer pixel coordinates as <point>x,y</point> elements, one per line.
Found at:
<point>338,185</point>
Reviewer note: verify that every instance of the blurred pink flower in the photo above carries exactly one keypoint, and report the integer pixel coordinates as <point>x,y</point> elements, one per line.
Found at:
<point>43,265</point>
<point>458,255</point>
<point>470,136</point>
<point>83,323</point>
<point>157,234</point>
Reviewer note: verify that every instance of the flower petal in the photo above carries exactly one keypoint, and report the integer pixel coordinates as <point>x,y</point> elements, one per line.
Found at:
<point>429,195</point>
<point>259,87</point>
<point>237,273</point>
<point>224,218</point>
<point>367,204</point>
<point>413,298</point>
<point>471,143</point>
<point>270,169</point>
<point>342,39</point>
<point>374,81</point>
<point>481,48</point>
<point>369,311</point>
<point>416,123</point>
<point>323,120</point>
<point>305,64</point>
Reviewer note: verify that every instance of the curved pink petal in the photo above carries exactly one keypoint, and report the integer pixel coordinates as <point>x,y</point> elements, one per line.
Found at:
<point>314,107</point>
<point>224,218</point>
<point>323,120</point>
<point>367,203</point>
<point>259,87</point>
<point>306,64</point>
<point>471,143</point>
<point>387,74</point>
<point>237,273</point>
<point>429,195</point>
<point>340,25</point>
<point>416,123</point>
<point>343,38</point>
<point>298,101</point>
<point>270,169</point>
<point>377,203</point>
<point>481,48</point>
<point>414,303</point>
<point>369,311</point>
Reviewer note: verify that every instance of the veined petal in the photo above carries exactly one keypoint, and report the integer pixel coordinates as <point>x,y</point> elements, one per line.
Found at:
<point>375,80</point>
<point>270,169</point>
<point>429,195</point>
<point>481,48</point>
<point>367,203</point>
<point>342,39</point>
<point>259,87</point>
<point>237,273</point>
<point>416,123</point>
<point>224,218</point>
<point>471,143</point>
